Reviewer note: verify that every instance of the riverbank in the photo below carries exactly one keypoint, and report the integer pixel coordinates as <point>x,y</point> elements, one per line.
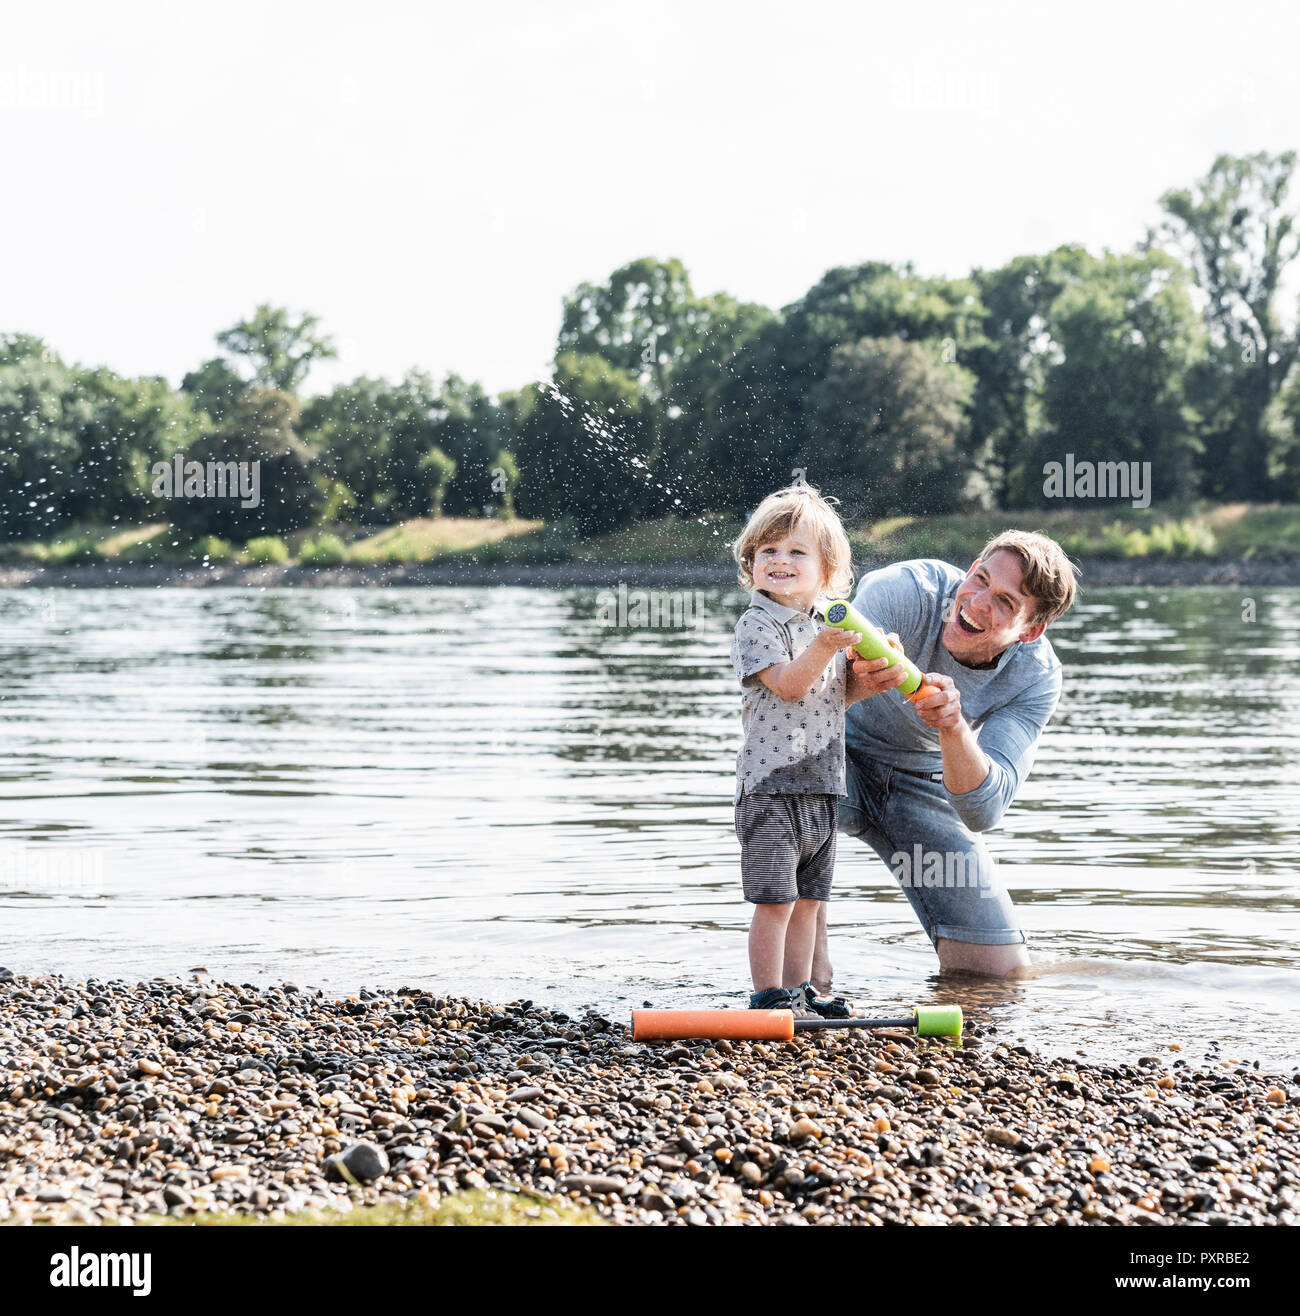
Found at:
<point>125,1102</point>
<point>1209,544</point>
<point>1094,572</point>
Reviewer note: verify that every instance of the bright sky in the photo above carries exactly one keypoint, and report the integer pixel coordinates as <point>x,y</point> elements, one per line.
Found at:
<point>432,179</point>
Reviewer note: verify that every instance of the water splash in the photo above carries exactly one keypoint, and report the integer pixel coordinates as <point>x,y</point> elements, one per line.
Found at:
<point>608,439</point>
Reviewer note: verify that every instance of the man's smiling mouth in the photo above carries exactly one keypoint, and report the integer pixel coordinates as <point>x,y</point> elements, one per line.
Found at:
<point>965,624</point>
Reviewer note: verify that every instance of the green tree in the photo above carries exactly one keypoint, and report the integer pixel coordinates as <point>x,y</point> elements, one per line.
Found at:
<point>17,349</point>
<point>1010,359</point>
<point>44,409</point>
<point>583,445</point>
<point>372,436</point>
<point>1282,423</point>
<point>472,429</point>
<point>1127,336</point>
<point>642,320</point>
<point>1093,360</point>
<point>278,350</point>
<point>369,436</point>
<point>887,428</point>
<point>135,423</point>
<point>688,418</point>
<point>263,430</point>
<point>441,470</point>
<point>505,479</point>
<point>216,386</point>
<point>760,414</point>
<point>878,300</point>
<point>649,325</point>
<point>1234,232</point>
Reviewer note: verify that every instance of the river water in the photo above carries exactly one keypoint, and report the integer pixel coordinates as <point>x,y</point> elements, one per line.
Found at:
<point>498,793</point>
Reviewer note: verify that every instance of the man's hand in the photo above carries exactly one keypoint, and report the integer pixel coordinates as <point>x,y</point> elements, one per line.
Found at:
<point>870,676</point>
<point>941,711</point>
<point>965,765</point>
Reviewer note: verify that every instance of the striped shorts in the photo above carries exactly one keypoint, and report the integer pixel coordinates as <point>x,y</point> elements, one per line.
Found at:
<point>787,847</point>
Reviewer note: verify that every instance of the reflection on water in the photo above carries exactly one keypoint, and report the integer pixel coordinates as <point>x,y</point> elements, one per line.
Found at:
<point>491,792</point>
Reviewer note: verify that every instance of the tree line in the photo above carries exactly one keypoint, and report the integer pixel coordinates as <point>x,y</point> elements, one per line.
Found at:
<point>899,392</point>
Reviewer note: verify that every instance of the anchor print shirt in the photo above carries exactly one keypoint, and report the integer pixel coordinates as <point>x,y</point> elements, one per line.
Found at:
<point>791,747</point>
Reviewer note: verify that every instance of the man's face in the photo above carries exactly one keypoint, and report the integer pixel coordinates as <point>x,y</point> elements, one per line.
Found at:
<point>991,611</point>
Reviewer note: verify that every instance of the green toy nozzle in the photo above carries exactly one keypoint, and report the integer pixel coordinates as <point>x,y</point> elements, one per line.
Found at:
<point>844,616</point>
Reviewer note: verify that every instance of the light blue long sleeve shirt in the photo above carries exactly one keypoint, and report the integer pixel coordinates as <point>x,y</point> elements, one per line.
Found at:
<point>1007,705</point>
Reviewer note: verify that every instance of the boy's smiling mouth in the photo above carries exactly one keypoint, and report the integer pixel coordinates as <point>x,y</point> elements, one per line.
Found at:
<point>965,624</point>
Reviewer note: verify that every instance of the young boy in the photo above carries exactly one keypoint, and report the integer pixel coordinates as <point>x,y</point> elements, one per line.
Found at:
<point>797,682</point>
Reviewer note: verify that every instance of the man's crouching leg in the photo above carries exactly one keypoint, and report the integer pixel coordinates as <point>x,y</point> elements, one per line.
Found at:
<point>952,883</point>
<point>986,961</point>
<point>980,906</point>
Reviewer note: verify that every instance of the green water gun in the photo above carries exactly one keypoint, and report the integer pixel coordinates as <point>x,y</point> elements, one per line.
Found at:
<point>844,616</point>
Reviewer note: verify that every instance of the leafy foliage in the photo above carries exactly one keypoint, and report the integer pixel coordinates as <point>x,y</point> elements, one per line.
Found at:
<point>906,394</point>
<point>1233,231</point>
<point>888,423</point>
<point>277,350</point>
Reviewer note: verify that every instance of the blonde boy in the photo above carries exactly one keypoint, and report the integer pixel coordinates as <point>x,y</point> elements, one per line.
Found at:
<point>796,679</point>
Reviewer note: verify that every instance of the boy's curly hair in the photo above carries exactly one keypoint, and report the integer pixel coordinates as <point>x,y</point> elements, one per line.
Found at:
<point>798,504</point>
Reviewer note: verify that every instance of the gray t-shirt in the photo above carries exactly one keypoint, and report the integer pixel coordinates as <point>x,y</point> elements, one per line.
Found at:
<point>791,747</point>
<point>1007,705</point>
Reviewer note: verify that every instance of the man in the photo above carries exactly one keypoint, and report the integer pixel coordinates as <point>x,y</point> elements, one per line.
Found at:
<point>924,780</point>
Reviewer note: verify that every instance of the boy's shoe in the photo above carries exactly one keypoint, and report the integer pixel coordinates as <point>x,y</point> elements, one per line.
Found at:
<point>829,1007</point>
<point>781,998</point>
<point>773,998</point>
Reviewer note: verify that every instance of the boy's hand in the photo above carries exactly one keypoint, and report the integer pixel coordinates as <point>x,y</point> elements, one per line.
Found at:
<point>833,638</point>
<point>794,679</point>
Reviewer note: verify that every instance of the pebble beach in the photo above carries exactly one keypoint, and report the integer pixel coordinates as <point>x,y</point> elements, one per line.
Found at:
<point>123,1103</point>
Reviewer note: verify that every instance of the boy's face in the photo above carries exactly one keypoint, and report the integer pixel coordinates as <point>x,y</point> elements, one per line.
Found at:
<point>790,569</point>
<point>991,611</point>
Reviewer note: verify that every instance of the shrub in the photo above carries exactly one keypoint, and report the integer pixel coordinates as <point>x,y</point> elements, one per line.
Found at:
<point>406,550</point>
<point>1118,541</point>
<point>212,548</point>
<point>150,549</point>
<point>78,548</point>
<point>1182,539</point>
<point>324,551</point>
<point>266,549</point>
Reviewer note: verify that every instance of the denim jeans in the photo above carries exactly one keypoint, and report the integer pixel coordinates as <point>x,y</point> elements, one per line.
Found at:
<point>945,870</point>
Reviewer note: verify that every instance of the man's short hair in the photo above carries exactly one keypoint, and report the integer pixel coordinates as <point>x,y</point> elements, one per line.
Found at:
<point>1048,575</point>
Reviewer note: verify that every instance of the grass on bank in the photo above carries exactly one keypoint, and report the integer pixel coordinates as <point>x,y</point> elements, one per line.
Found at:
<point>1234,530</point>
<point>1231,530</point>
<point>419,540</point>
<point>468,1208</point>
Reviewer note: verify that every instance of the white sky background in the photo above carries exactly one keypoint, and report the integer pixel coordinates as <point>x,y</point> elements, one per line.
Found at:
<point>432,179</point>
